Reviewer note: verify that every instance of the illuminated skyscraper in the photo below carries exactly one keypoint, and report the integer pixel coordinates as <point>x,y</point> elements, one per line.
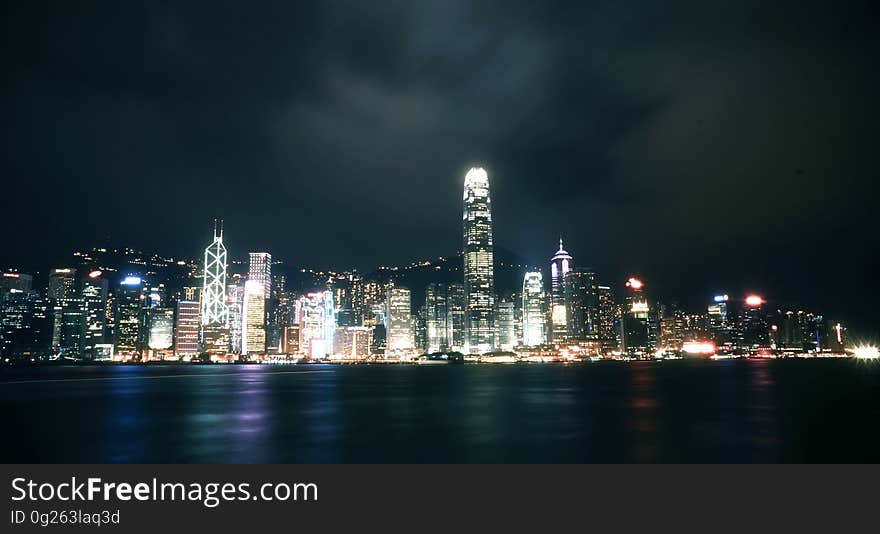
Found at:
<point>187,332</point>
<point>636,328</point>
<point>235,302</point>
<point>479,279</point>
<point>560,265</point>
<point>505,329</point>
<point>94,295</point>
<point>581,305</point>
<point>161,328</point>
<point>130,317</point>
<point>253,330</point>
<point>398,323</point>
<point>260,270</point>
<point>456,305</point>
<point>62,284</point>
<point>329,321</point>
<point>436,318</point>
<point>608,320</point>
<point>214,309</point>
<point>310,317</point>
<point>533,310</point>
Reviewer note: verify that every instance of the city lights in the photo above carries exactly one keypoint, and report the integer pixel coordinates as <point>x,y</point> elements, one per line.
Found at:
<point>634,283</point>
<point>698,347</point>
<point>754,301</point>
<point>866,352</point>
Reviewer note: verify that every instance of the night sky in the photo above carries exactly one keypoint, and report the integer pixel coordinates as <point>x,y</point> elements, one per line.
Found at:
<point>702,145</point>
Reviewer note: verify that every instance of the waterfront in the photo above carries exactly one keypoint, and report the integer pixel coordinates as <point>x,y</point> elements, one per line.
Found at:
<point>674,411</point>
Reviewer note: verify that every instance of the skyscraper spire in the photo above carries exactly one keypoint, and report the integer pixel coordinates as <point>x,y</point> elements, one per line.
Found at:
<point>560,243</point>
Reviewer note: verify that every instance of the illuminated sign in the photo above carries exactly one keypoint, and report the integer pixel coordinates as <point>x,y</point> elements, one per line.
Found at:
<point>10,275</point>
<point>639,307</point>
<point>95,274</point>
<point>698,347</point>
<point>720,298</point>
<point>131,281</point>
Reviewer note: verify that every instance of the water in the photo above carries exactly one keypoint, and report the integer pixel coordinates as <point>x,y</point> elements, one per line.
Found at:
<point>676,411</point>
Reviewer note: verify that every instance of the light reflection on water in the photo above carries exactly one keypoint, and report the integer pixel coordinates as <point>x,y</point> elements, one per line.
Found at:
<point>730,411</point>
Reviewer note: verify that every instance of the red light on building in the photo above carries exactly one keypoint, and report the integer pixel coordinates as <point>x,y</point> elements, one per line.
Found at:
<point>634,283</point>
<point>754,301</point>
<point>95,274</point>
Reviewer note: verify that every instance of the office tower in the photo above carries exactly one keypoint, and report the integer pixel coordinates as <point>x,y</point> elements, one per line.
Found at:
<point>721,322</point>
<point>12,282</point>
<point>436,318</point>
<point>342,288</point>
<point>94,292</point>
<point>479,278</point>
<point>186,343</point>
<point>329,321</point>
<point>290,340</point>
<point>260,270</point>
<point>235,303</point>
<point>560,265</point>
<point>581,296</point>
<point>505,329</point>
<point>398,323</point>
<point>310,315</point>
<point>62,284</point>
<point>636,330</point>
<point>161,328</point>
<point>68,327</point>
<point>533,310</point>
<point>420,331</point>
<point>754,331</point>
<point>253,331</point>
<point>353,342</point>
<point>25,325</point>
<point>608,321</point>
<point>215,312</point>
<point>456,320</point>
<point>129,317</point>
<point>358,304</point>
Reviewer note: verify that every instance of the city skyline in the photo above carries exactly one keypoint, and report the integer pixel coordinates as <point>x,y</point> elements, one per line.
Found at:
<point>663,141</point>
<point>253,315</point>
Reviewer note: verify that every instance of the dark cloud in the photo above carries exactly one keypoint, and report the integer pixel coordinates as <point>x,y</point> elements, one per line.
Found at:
<point>704,145</point>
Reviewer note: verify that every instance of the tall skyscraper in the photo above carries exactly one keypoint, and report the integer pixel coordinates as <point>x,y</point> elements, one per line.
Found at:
<point>398,323</point>
<point>94,295</point>
<point>456,305</point>
<point>253,331</point>
<point>533,310</point>
<point>130,317</point>
<point>636,327</point>
<point>560,265</point>
<point>161,328</point>
<point>436,318</point>
<point>581,305</point>
<point>329,321</point>
<point>310,317</point>
<point>214,309</point>
<point>505,329</point>
<point>186,343</point>
<point>260,270</point>
<point>479,276</point>
<point>608,321</point>
<point>62,284</point>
